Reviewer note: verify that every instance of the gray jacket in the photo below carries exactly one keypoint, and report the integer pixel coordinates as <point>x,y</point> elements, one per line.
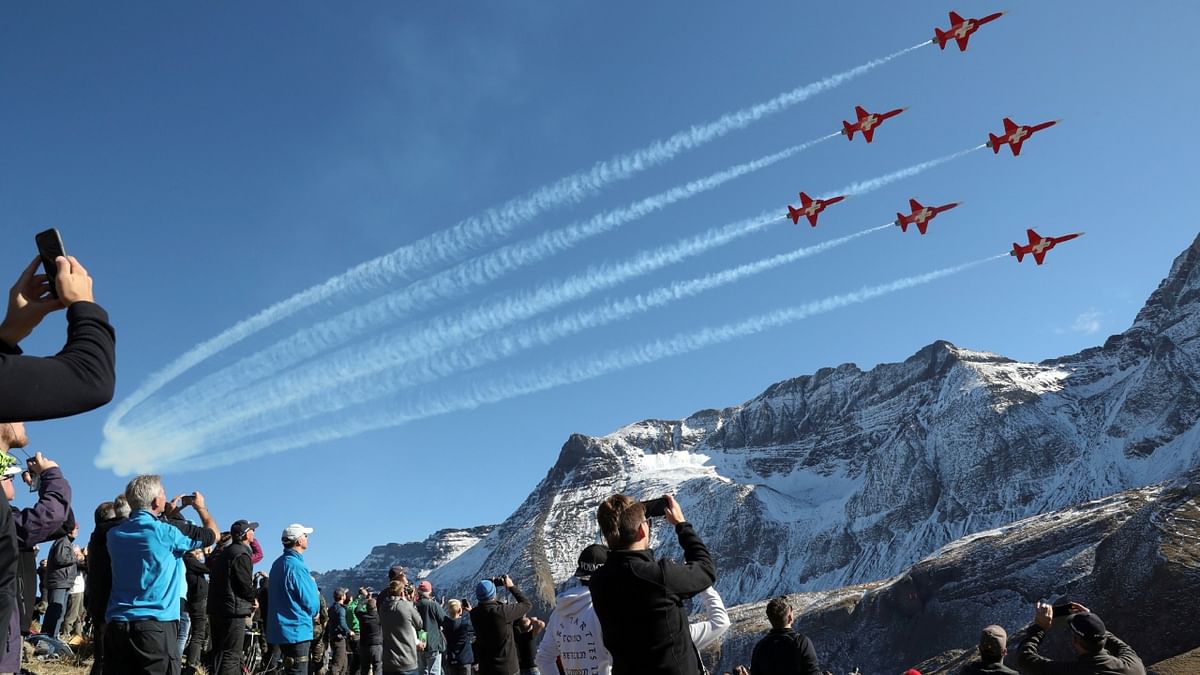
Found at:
<point>400,621</point>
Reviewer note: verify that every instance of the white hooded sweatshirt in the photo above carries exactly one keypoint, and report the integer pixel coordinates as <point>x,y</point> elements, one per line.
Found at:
<point>573,636</point>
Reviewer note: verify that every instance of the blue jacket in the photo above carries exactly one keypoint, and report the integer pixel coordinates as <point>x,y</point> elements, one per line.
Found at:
<point>294,601</point>
<point>147,566</point>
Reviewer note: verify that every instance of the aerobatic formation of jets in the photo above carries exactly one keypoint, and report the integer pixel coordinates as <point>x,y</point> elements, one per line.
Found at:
<point>811,208</point>
<point>1014,136</point>
<point>921,215</point>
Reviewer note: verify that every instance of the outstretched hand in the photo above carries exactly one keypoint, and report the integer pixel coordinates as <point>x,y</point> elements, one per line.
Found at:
<point>74,284</point>
<point>674,511</point>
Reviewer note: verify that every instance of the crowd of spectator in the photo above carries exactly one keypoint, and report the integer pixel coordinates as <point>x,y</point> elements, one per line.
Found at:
<point>161,589</point>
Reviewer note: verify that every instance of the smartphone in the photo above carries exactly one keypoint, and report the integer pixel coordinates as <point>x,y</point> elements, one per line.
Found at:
<point>187,500</point>
<point>1062,610</point>
<point>50,246</point>
<point>655,508</point>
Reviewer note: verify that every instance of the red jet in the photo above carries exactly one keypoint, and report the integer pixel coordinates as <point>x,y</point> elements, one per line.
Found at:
<point>811,208</point>
<point>867,122</point>
<point>1015,134</point>
<point>921,215</point>
<point>961,30</point>
<point>1038,245</point>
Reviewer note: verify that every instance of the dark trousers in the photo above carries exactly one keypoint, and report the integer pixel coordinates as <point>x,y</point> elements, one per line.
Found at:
<point>352,654</point>
<point>295,658</point>
<point>370,658</point>
<point>228,637</point>
<point>98,627</point>
<point>337,656</point>
<point>197,642</point>
<point>141,648</point>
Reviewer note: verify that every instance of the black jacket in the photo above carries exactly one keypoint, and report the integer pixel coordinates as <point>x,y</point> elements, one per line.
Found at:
<point>61,565</point>
<point>495,649</point>
<point>1117,658</point>
<point>369,631</point>
<point>77,379</point>
<point>981,668</point>
<point>640,604</point>
<point>231,583</point>
<point>196,574</point>
<point>100,569</point>
<point>784,652</point>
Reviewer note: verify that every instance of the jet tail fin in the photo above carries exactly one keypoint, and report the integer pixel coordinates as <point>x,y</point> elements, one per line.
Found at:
<point>848,130</point>
<point>1018,251</point>
<point>994,141</point>
<point>902,222</point>
<point>940,37</point>
<point>794,213</point>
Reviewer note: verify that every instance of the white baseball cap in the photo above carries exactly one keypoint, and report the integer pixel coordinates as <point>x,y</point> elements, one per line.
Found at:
<point>295,531</point>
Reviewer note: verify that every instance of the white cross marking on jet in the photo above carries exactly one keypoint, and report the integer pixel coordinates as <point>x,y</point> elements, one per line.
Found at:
<point>964,29</point>
<point>1042,246</point>
<point>1018,135</point>
<point>868,122</point>
<point>922,215</point>
<point>814,207</point>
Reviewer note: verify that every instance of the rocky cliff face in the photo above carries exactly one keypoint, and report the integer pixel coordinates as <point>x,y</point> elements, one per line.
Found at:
<point>847,476</point>
<point>418,557</point>
<point>1133,558</point>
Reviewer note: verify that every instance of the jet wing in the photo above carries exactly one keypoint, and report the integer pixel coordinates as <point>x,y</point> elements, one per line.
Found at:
<point>1016,147</point>
<point>1038,257</point>
<point>1034,237</point>
<point>860,111</point>
<point>955,19</point>
<point>922,225</point>
<point>868,134</point>
<point>962,42</point>
<point>915,205</point>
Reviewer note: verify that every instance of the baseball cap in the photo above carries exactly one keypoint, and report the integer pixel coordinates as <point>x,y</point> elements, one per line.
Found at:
<point>395,572</point>
<point>992,641</point>
<point>1087,626</point>
<point>9,466</point>
<point>240,527</point>
<point>591,559</point>
<point>425,587</point>
<point>485,590</point>
<point>295,531</point>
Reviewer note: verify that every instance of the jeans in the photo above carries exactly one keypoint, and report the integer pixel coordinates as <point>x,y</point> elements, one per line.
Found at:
<point>431,663</point>
<point>56,608</point>
<point>185,629</point>
<point>295,658</point>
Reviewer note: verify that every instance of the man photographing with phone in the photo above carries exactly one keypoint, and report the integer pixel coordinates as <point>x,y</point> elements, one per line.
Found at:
<point>81,376</point>
<point>1097,651</point>
<point>640,600</point>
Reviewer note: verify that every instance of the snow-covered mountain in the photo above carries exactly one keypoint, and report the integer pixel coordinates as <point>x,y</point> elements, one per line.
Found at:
<point>848,476</point>
<point>419,558</point>
<point>1133,558</point>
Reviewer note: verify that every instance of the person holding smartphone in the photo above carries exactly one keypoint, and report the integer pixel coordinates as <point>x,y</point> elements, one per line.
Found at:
<point>1097,651</point>
<point>81,376</point>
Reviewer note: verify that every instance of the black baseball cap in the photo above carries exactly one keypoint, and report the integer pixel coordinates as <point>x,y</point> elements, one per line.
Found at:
<point>239,528</point>
<point>591,559</point>
<point>1087,626</point>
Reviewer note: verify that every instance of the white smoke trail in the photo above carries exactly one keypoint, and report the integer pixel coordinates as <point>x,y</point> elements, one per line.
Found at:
<point>502,388</point>
<point>436,290</point>
<point>873,184</point>
<point>477,231</point>
<point>357,362</point>
<point>494,348</point>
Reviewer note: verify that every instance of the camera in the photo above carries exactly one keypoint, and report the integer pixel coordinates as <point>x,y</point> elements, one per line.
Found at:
<point>497,581</point>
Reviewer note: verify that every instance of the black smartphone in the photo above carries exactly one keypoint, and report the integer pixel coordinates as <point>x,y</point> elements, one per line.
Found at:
<point>50,246</point>
<point>655,508</point>
<point>187,500</point>
<point>1062,609</point>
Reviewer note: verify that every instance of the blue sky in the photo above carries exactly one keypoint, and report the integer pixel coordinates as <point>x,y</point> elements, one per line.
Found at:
<point>207,162</point>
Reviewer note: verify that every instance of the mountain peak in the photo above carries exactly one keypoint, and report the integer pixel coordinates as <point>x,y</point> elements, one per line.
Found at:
<point>1175,297</point>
